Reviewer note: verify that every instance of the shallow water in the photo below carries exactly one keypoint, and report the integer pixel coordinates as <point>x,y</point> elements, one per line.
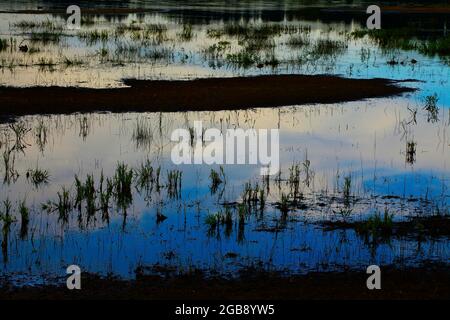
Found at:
<point>366,140</point>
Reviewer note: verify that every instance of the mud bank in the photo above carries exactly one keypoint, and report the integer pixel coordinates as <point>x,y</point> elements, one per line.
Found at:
<point>211,94</point>
<point>426,282</point>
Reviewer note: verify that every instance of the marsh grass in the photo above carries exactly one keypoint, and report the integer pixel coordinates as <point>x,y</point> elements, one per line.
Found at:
<point>344,212</point>
<point>328,48</point>
<point>294,180</point>
<point>186,33</point>
<point>142,134</point>
<point>24,219</point>
<point>347,187</point>
<point>411,152</point>
<point>440,47</point>
<point>63,205</point>
<point>3,44</point>
<point>157,54</point>
<point>242,59</point>
<point>7,219</point>
<point>93,36</point>
<point>106,189</point>
<point>48,25</point>
<point>145,176</point>
<point>376,225</point>
<point>123,179</point>
<point>216,50</point>
<point>46,63</point>
<point>214,221</point>
<point>299,41</point>
<point>11,174</point>
<point>5,214</point>
<point>72,62</point>
<point>250,195</point>
<point>251,31</point>
<point>284,205</point>
<point>216,178</point>
<point>406,39</point>
<point>174,178</point>
<point>37,176</point>
<point>46,37</point>
<point>41,135</point>
<point>432,108</point>
<point>145,34</point>
<point>20,130</point>
<point>89,194</point>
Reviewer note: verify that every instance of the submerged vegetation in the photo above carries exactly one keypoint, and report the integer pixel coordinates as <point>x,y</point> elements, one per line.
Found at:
<point>406,39</point>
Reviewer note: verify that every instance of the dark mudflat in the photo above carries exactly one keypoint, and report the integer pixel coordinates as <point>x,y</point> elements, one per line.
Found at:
<point>426,282</point>
<point>196,95</point>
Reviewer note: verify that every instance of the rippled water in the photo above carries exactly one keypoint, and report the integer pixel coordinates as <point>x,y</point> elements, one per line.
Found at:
<point>365,140</point>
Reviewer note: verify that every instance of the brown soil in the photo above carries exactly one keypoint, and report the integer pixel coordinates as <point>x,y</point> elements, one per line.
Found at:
<point>196,95</point>
<point>427,282</point>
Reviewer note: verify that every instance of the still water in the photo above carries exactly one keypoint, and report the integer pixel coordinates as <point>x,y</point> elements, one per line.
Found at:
<point>395,152</point>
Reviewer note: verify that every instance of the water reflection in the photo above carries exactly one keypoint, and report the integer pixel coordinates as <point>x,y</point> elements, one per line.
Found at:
<point>99,190</point>
<point>158,45</point>
<point>115,200</point>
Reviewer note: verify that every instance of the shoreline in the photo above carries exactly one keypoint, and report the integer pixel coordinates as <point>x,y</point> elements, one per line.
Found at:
<point>208,94</point>
<point>430,281</point>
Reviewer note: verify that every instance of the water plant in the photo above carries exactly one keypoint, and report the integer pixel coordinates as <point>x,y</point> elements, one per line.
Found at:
<point>217,178</point>
<point>20,129</point>
<point>123,179</point>
<point>298,41</point>
<point>24,219</point>
<point>262,200</point>
<point>432,108</point>
<point>45,37</point>
<point>72,62</point>
<point>93,36</point>
<point>186,33</point>
<point>284,204</point>
<point>212,221</point>
<point>328,48</point>
<point>142,134</point>
<point>37,176</point>
<point>8,220</point>
<point>3,44</point>
<point>250,194</point>
<point>63,205</point>
<point>89,194</point>
<point>242,59</point>
<point>294,180</point>
<point>347,189</point>
<point>377,225</point>
<point>105,196</point>
<point>5,214</point>
<point>144,176</point>
<point>41,135</point>
<point>411,152</point>
<point>174,183</point>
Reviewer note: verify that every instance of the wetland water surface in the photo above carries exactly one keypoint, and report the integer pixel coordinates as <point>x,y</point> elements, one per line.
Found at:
<point>99,190</point>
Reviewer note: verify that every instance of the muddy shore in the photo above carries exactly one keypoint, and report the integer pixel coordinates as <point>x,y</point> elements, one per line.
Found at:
<point>426,282</point>
<point>196,95</point>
